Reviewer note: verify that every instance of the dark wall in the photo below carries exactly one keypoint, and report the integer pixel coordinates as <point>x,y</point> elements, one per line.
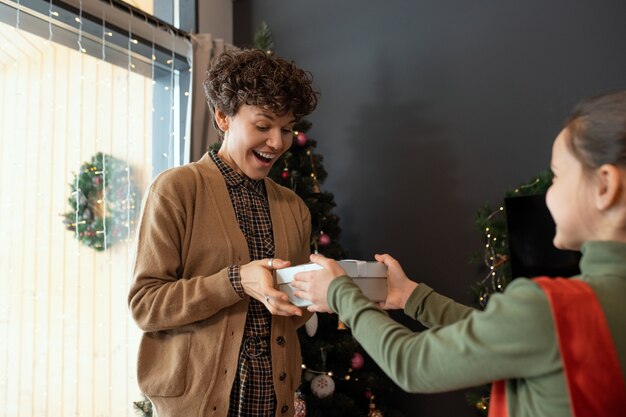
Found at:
<point>431,109</point>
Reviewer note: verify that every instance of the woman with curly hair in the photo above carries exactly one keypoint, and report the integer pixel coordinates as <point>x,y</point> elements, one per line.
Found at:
<point>219,339</point>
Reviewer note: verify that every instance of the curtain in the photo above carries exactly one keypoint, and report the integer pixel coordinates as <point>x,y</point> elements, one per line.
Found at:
<point>203,133</point>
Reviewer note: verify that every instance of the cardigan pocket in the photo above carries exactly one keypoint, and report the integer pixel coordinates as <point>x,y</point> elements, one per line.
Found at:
<point>162,363</point>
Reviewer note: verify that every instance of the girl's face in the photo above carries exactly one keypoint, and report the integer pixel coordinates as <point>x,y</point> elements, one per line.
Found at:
<point>254,139</point>
<point>569,198</point>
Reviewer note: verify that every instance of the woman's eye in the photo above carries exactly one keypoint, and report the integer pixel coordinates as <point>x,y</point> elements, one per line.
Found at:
<point>288,131</point>
<point>263,128</point>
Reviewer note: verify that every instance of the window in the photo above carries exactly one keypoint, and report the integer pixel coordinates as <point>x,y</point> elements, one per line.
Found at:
<point>179,13</point>
<point>74,86</point>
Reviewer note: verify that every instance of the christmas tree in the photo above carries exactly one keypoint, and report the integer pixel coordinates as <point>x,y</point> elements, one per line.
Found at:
<point>338,378</point>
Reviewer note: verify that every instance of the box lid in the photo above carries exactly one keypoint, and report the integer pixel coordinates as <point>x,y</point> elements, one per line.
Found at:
<point>354,269</point>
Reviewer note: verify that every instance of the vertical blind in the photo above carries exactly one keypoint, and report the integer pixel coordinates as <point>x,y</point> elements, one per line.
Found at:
<point>67,343</point>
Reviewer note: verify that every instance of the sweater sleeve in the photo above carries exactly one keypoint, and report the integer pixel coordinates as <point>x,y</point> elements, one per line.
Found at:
<point>159,298</point>
<point>513,337</point>
<point>433,309</point>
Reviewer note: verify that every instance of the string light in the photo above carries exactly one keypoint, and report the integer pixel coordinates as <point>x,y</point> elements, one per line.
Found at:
<point>128,189</point>
<point>171,148</point>
<point>346,377</point>
<point>494,258</point>
<point>77,242</point>
<point>316,186</point>
<point>17,15</point>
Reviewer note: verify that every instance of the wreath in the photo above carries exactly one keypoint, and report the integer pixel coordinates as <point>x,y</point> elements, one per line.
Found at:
<point>102,202</point>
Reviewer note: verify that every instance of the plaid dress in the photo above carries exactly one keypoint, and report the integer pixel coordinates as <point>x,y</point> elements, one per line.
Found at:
<point>252,393</point>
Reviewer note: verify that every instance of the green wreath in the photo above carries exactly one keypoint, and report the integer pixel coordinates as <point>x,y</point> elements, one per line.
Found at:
<point>103,203</point>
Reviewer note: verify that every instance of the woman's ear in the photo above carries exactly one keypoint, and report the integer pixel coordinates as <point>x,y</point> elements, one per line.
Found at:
<point>610,186</point>
<point>221,119</point>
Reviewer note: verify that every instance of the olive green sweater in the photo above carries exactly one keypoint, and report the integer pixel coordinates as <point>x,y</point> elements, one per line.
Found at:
<point>513,339</point>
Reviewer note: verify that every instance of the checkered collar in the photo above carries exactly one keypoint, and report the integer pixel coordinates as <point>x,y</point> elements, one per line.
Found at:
<point>234,179</point>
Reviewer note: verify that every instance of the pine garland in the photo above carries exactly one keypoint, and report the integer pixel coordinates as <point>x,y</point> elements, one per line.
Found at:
<point>492,223</point>
<point>102,203</point>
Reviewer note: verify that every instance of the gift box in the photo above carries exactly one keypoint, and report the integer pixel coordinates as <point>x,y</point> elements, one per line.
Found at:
<point>370,277</point>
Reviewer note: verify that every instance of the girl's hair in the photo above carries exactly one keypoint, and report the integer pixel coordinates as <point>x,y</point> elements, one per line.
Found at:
<point>597,130</point>
<point>257,78</point>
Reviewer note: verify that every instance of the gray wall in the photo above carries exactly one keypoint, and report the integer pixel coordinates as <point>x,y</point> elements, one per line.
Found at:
<point>431,109</point>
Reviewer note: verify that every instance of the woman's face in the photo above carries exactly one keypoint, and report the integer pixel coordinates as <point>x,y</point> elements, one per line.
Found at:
<point>254,138</point>
<point>569,198</point>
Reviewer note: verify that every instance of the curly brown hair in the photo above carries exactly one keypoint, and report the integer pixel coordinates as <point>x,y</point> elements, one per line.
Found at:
<point>256,78</point>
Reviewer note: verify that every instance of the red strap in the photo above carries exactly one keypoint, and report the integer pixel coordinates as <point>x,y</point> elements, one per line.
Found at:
<point>590,363</point>
<point>497,400</point>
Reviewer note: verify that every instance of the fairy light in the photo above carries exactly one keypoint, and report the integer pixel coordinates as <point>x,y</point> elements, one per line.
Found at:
<point>79,19</point>
<point>171,90</point>
<point>495,280</point>
<point>316,186</point>
<point>8,310</point>
<point>17,15</point>
<point>77,243</point>
<point>492,261</point>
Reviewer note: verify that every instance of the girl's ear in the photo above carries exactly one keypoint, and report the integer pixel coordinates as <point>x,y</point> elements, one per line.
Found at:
<point>610,186</point>
<point>221,119</point>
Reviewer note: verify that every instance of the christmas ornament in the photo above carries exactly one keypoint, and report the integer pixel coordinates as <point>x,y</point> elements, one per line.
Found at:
<point>311,325</point>
<point>285,174</point>
<point>322,386</point>
<point>357,361</point>
<point>102,203</point>
<point>374,412</point>
<point>299,405</point>
<point>323,239</point>
<point>301,139</point>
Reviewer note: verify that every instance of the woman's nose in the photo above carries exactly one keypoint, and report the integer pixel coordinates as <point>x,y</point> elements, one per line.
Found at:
<point>274,139</point>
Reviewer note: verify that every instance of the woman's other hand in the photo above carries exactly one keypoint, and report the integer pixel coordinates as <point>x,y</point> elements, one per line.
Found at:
<point>399,286</point>
<point>258,282</point>
<point>313,285</point>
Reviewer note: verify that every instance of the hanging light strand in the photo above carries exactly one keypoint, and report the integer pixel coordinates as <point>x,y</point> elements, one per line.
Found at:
<point>172,107</point>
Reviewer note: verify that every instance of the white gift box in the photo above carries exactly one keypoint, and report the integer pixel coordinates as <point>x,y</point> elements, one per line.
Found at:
<point>370,277</point>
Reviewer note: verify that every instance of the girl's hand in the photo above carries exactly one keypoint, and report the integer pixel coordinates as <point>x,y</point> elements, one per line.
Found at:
<point>399,286</point>
<point>258,282</point>
<point>313,285</point>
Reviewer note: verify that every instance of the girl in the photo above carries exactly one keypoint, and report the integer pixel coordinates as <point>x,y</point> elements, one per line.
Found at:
<point>560,345</point>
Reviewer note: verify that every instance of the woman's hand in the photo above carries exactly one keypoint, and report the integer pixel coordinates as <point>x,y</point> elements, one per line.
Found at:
<point>399,286</point>
<point>313,285</point>
<point>258,282</point>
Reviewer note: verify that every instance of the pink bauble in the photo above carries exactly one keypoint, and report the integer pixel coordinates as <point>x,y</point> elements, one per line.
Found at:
<point>301,139</point>
<point>357,361</point>
<point>284,175</point>
<point>324,239</point>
